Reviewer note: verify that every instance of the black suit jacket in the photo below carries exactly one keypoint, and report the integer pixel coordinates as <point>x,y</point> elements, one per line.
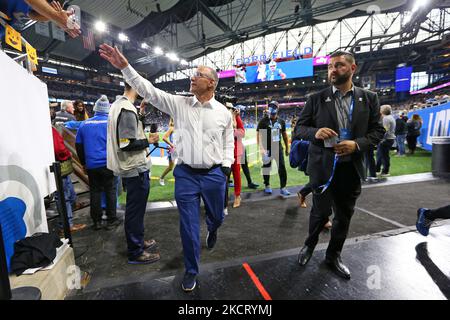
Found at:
<point>320,112</point>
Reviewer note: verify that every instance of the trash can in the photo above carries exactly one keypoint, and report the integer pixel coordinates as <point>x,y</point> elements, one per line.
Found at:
<point>440,159</point>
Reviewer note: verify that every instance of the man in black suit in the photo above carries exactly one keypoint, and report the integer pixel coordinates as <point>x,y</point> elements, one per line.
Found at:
<point>341,122</point>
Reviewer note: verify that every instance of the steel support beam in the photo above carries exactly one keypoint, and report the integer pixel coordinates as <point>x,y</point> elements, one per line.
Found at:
<point>326,38</point>
<point>211,15</point>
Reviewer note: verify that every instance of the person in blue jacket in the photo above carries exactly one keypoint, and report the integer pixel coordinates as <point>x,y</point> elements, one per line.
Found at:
<point>91,149</point>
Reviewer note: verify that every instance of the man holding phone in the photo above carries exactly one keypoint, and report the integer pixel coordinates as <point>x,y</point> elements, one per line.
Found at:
<point>341,122</point>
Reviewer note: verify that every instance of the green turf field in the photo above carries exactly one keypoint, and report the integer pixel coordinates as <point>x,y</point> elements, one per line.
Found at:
<point>417,163</point>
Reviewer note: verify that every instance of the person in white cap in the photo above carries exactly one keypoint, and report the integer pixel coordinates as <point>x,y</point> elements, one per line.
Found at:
<point>91,149</point>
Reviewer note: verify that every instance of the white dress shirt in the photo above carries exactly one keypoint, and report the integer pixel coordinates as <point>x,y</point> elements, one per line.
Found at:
<point>203,133</point>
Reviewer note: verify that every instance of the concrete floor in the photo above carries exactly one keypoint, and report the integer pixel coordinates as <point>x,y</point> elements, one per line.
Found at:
<point>267,234</point>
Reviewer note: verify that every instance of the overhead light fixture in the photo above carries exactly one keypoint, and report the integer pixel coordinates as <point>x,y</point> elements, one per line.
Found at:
<point>172,56</point>
<point>144,45</point>
<point>123,37</point>
<point>158,51</point>
<point>100,26</point>
<point>418,4</point>
<point>184,62</point>
<point>407,19</point>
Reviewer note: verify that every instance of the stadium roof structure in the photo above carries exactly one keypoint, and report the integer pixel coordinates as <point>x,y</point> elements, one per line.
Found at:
<point>193,28</point>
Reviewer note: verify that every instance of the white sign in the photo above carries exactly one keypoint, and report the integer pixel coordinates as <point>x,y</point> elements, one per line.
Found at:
<point>26,152</point>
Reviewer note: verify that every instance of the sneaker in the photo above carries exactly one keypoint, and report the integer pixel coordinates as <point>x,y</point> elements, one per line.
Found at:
<point>145,258</point>
<point>284,192</point>
<point>385,175</point>
<point>253,185</point>
<point>225,211</point>
<point>189,282</point>
<point>423,223</point>
<point>161,182</point>
<point>268,190</point>
<point>149,244</point>
<point>211,239</point>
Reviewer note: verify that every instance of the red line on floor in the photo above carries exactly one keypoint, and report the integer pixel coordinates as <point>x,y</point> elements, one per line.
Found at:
<point>256,281</point>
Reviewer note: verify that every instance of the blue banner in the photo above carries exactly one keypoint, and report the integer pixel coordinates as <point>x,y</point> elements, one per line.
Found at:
<point>403,79</point>
<point>436,122</point>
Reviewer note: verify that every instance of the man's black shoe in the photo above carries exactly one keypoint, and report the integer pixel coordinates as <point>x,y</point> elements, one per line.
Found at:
<point>110,225</point>
<point>253,185</point>
<point>304,255</point>
<point>338,267</point>
<point>211,239</point>
<point>189,282</point>
<point>97,226</point>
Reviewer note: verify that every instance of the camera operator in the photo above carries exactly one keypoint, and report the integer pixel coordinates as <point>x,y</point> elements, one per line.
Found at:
<point>127,157</point>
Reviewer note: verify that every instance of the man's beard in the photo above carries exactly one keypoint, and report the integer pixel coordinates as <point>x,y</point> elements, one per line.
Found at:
<point>340,79</point>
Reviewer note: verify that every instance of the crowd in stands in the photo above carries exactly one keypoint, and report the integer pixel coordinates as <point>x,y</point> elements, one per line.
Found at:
<point>82,91</point>
<point>78,90</point>
<point>422,101</point>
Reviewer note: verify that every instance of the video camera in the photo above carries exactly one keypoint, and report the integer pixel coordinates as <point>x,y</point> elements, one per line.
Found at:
<point>224,98</point>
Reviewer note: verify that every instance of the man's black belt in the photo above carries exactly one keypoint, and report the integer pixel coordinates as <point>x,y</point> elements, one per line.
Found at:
<point>201,170</point>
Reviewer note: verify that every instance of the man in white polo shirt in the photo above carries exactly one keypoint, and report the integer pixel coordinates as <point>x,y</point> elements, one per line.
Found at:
<point>204,147</point>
